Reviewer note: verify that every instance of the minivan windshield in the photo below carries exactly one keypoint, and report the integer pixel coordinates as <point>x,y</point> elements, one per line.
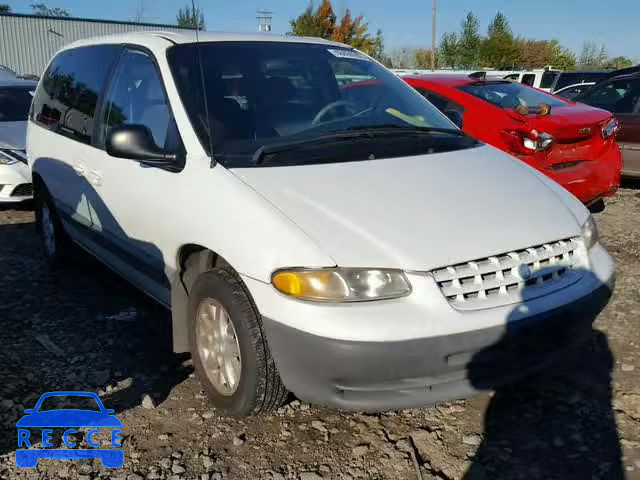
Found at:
<point>288,96</point>
<point>511,95</point>
<point>15,103</point>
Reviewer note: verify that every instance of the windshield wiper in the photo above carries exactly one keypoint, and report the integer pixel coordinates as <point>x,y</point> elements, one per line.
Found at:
<point>399,129</point>
<point>348,134</point>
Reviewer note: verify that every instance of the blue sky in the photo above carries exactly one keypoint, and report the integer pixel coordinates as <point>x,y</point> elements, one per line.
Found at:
<point>404,22</point>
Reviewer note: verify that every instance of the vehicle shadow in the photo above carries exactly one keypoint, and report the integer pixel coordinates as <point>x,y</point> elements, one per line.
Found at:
<point>79,327</point>
<point>558,422</point>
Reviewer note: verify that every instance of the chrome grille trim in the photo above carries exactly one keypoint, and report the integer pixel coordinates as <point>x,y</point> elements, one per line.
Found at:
<point>495,280</point>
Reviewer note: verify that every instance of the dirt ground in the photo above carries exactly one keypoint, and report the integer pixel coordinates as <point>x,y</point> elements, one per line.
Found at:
<point>85,329</point>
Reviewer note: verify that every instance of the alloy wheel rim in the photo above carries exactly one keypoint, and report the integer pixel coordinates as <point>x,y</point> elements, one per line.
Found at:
<point>218,347</point>
<point>48,233</point>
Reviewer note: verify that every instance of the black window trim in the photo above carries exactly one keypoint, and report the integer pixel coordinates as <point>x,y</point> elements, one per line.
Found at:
<point>98,142</point>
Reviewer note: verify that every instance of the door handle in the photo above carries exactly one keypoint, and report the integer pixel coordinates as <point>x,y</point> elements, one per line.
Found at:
<point>79,169</point>
<point>95,178</point>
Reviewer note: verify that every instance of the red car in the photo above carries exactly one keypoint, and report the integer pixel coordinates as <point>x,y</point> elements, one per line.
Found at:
<point>574,144</point>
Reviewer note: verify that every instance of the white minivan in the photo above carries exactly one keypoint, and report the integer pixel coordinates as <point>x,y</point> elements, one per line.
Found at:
<point>341,240</point>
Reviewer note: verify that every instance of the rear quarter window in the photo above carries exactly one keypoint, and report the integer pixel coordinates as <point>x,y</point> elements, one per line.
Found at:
<point>567,79</point>
<point>547,79</point>
<point>67,96</point>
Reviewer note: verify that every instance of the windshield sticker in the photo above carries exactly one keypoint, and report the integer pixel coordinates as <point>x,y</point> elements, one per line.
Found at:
<point>343,53</point>
<point>415,120</point>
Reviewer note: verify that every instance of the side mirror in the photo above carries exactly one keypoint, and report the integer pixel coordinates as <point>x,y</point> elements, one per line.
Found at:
<point>28,411</point>
<point>455,116</point>
<point>109,411</point>
<point>136,142</point>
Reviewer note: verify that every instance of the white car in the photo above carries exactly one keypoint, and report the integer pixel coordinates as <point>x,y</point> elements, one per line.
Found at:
<point>15,176</point>
<point>340,240</point>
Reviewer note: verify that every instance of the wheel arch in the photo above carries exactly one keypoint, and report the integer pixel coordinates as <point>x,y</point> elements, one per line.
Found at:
<point>192,259</point>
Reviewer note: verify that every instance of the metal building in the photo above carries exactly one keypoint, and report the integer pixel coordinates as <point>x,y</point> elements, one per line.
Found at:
<point>27,42</point>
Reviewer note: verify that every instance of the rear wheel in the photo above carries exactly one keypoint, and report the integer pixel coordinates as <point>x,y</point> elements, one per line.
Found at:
<point>54,240</point>
<point>230,353</point>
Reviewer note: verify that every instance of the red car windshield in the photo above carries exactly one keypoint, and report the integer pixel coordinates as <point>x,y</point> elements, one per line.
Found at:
<point>511,95</point>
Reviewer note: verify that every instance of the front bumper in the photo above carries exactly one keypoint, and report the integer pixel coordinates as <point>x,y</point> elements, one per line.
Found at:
<point>379,376</point>
<point>15,180</point>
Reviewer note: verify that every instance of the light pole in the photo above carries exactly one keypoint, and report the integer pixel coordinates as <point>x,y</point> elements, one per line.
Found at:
<point>433,38</point>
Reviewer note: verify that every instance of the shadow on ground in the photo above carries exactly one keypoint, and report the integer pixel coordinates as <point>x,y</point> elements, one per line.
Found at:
<point>559,423</point>
<point>82,328</point>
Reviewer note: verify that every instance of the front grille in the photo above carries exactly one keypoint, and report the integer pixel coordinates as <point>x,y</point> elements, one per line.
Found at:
<point>512,276</point>
<point>23,190</point>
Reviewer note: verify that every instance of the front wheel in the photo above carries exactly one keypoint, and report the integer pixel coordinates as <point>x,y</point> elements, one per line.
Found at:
<point>229,350</point>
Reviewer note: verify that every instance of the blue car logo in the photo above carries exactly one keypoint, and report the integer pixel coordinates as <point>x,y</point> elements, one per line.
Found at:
<point>69,417</point>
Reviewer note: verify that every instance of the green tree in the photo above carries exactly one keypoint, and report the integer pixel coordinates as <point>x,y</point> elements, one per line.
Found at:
<point>469,42</point>
<point>499,49</point>
<point>449,52</point>
<point>377,49</point>
<point>619,62</point>
<point>562,58</point>
<point>41,8</point>
<point>540,53</point>
<point>4,8</point>
<point>422,58</point>
<point>191,18</point>
<point>323,22</point>
<point>315,23</point>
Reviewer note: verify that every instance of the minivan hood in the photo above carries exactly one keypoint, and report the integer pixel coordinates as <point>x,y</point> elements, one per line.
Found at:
<point>13,135</point>
<point>417,213</point>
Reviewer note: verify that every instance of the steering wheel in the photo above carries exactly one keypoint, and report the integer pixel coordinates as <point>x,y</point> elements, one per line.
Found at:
<point>332,106</point>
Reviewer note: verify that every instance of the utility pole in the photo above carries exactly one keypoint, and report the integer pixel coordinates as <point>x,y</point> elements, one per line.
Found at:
<point>433,38</point>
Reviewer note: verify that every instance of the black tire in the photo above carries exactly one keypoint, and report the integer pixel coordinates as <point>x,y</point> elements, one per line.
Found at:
<point>597,207</point>
<point>62,244</point>
<point>259,388</point>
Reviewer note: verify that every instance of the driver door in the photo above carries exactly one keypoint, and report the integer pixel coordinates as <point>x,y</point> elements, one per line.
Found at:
<point>130,201</point>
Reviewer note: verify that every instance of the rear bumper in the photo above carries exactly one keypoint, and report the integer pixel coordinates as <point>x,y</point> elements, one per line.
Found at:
<point>590,180</point>
<point>378,376</point>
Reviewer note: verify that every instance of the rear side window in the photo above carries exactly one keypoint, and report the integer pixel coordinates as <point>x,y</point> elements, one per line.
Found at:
<point>567,79</point>
<point>68,94</point>
<point>547,79</point>
<point>618,96</point>
<point>593,76</point>
<point>529,79</point>
<point>440,102</point>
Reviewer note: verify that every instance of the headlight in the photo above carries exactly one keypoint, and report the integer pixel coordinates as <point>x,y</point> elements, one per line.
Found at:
<point>341,284</point>
<point>590,233</point>
<point>7,160</point>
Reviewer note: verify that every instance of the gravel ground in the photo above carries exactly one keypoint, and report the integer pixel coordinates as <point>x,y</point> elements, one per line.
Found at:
<point>85,329</point>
